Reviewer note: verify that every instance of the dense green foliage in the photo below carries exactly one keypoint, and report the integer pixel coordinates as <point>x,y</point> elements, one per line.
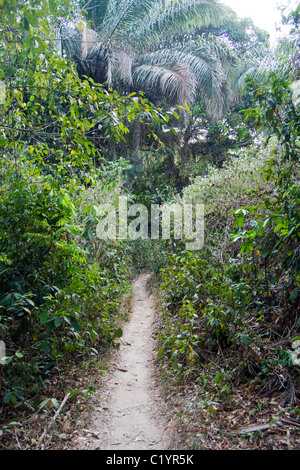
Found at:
<point>78,128</point>
<point>60,287</point>
<point>240,294</point>
<point>145,45</point>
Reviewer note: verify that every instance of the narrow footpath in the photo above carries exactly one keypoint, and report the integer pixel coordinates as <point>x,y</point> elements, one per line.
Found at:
<point>129,414</point>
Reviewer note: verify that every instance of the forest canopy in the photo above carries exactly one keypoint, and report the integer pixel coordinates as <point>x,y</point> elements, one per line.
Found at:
<point>161,102</point>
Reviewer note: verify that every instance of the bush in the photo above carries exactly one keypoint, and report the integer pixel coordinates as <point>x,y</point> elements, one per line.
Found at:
<point>59,290</point>
<point>232,297</point>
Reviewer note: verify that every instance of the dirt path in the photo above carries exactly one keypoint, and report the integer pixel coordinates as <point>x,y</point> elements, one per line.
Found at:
<point>129,414</point>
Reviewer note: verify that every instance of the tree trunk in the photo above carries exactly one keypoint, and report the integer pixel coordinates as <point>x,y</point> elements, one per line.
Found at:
<point>111,153</point>
<point>184,153</point>
<point>137,136</point>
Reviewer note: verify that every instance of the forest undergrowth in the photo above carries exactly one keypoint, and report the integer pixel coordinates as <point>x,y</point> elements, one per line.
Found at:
<point>206,122</point>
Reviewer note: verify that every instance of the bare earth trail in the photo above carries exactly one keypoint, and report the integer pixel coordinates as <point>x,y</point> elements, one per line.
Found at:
<point>128,416</point>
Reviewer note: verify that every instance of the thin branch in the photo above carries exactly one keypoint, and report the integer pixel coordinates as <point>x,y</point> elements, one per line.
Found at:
<point>52,421</point>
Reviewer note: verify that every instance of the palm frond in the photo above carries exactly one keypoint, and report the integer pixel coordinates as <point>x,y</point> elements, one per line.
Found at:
<point>258,68</point>
<point>95,11</point>
<point>186,14</point>
<point>121,15</point>
<point>174,81</point>
<point>289,50</point>
<point>120,69</point>
<point>95,64</point>
<point>207,72</point>
<point>178,17</point>
<point>75,38</point>
<point>89,39</point>
<point>176,70</point>
<point>70,38</point>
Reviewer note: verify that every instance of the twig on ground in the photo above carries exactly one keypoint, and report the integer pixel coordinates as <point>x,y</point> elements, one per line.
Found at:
<point>52,421</point>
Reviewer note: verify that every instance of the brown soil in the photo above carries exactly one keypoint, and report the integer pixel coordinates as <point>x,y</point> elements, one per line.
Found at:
<point>129,414</point>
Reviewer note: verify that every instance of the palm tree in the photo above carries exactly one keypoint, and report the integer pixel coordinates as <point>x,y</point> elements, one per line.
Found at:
<point>147,45</point>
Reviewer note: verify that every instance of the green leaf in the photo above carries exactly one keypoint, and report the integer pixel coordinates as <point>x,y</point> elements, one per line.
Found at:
<point>118,333</point>
<point>219,377</point>
<point>52,7</point>
<point>74,323</point>
<point>254,223</point>
<point>26,24</point>
<point>239,222</point>
<point>46,347</point>
<point>278,227</point>
<point>294,294</point>
<point>74,229</point>
<point>8,397</point>
<point>62,221</point>
<point>32,19</point>
<point>244,339</point>
<point>43,317</point>
<point>160,353</point>
<point>43,404</point>
<point>6,300</point>
<point>54,402</point>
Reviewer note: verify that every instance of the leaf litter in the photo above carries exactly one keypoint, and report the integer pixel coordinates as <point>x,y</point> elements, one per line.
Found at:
<point>135,408</point>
